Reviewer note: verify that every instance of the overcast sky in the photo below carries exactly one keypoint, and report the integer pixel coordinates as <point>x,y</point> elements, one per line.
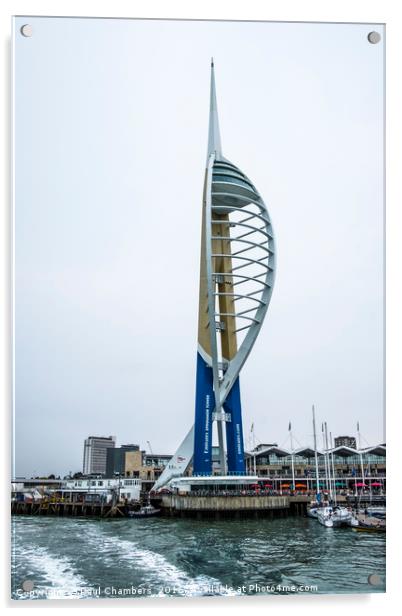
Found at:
<point>111,137</point>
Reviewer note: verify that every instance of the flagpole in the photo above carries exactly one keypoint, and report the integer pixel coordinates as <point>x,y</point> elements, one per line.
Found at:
<point>317,480</point>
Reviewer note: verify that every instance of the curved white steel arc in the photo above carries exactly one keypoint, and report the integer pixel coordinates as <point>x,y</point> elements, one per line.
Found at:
<point>258,223</point>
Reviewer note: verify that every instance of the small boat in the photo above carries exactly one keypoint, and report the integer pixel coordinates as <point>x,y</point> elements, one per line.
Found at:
<point>324,516</point>
<point>376,512</point>
<point>335,516</point>
<point>354,522</point>
<point>312,512</point>
<point>145,512</point>
<point>371,524</point>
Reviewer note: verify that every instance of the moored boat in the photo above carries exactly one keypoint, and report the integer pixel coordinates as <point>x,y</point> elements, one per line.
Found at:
<point>371,524</point>
<point>324,516</point>
<point>335,516</point>
<point>376,511</point>
<point>145,512</point>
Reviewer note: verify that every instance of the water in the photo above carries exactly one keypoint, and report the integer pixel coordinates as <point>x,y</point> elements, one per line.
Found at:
<point>88,558</point>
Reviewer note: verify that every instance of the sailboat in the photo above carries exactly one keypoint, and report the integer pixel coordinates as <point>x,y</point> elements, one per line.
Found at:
<point>336,516</point>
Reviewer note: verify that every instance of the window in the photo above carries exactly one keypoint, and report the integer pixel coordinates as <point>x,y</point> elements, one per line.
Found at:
<point>232,180</point>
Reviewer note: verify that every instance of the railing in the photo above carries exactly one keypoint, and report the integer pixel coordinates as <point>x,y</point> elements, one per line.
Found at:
<point>228,474</point>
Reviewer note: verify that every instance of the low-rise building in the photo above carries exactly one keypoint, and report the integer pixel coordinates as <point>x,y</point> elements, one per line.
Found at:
<point>101,489</point>
<point>348,467</point>
<point>145,466</point>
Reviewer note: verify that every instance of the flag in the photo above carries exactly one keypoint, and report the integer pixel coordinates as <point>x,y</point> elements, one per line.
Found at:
<point>252,427</point>
<point>358,427</point>
<point>290,426</point>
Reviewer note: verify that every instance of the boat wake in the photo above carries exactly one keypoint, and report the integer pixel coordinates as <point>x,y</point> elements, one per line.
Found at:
<point>164,577</point>
<point>52,576</point>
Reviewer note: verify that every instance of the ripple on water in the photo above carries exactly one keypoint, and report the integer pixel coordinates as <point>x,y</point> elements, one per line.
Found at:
<point>160,553</point>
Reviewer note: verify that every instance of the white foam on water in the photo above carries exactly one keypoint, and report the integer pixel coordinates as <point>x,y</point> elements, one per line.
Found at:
<point>58,579</point>
<point>166,575</point>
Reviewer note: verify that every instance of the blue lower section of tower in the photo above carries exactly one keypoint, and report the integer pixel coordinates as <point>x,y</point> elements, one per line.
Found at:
<point>234,430</point>
<point>204,406</point>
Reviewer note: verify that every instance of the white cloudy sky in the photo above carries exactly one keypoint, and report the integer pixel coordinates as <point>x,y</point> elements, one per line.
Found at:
<point>111,136</point>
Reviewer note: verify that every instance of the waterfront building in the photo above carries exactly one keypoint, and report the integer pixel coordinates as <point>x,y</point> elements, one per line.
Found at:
<point>95,451</point>
<point>350,468</point>
<point>261,446</point>
<point>116,459</point>
<point>202,486</point>
<point>105,489</point>
<point>145,466</point>
<point>345,441</point>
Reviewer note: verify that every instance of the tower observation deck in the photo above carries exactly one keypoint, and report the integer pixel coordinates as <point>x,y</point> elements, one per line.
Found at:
<point>237,272</point>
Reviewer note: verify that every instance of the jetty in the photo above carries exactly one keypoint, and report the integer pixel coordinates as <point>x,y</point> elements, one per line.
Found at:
<point>70,509</point>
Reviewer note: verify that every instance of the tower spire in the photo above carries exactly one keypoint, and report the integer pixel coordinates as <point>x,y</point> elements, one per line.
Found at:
<point>214,138</point>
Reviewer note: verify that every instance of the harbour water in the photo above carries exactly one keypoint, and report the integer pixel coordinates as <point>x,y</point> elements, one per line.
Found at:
<point>74,558</point>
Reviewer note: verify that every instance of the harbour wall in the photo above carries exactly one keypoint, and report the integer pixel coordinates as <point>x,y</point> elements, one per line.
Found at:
<point>232,506</point>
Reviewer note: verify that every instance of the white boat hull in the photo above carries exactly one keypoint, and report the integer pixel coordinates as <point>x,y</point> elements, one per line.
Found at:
<point>325,521</point>
<point>335,517</point>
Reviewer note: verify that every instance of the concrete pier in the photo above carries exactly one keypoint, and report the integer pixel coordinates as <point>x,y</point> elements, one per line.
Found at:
<point>232,506</point>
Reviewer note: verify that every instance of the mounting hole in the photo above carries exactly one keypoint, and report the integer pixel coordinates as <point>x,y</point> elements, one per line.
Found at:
<point>28,585</point>
<point>374,37</point>
<point>26,30</point>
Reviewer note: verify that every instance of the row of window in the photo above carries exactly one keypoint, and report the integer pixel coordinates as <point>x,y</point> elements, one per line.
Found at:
<point>351,460</point>
<point>108,482</point>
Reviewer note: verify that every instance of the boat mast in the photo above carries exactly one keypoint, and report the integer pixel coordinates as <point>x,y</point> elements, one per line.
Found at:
<point>359,441</point>
<point>325,457</point>
<point>317,479</point>
<point>292,457</point>
<point>332,463</point>
<point>328,464</point>
<point>255,463</point>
